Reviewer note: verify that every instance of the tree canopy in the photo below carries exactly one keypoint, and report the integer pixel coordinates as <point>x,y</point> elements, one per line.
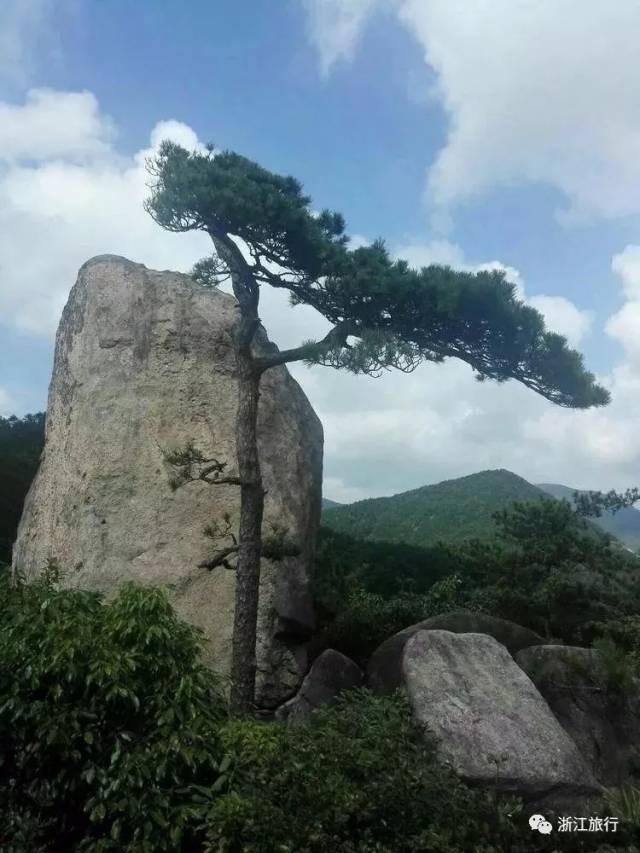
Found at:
<point>384,313</point>
<point>21,442</point>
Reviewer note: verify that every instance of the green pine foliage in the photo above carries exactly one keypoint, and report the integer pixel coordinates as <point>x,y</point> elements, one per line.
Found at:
<point>622,522</point>
<point>384,313</point>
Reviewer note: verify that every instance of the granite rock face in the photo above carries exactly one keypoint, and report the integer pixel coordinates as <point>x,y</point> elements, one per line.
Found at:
<point>601,717</point>
<point>488,719</point>
<point>143,364</point>
<point>384,672</point>
<point>331,673</point>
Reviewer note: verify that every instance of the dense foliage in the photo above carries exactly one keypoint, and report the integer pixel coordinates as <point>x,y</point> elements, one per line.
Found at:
<point>383,312</point>
<point>452,511</point>
<point>113,737</point>
<point>107,721</point>
<point>330,785</point>
<point>546,568</point>
<point>456,510</point>
<point>621,522</point>
<point>21,441</point>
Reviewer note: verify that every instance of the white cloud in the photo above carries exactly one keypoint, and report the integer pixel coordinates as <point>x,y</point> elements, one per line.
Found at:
<point>73,196</point>
<point>435,252</point>
<point>27,35</point>
<point>335,27</point>
<point>526,86</point>
<point>51,125</point>
<point>409,430</point>
<point>534,92</point>
<point>624,325</point>
<point>6,403</point>
<point>562,316</point>
<point>627,265</point>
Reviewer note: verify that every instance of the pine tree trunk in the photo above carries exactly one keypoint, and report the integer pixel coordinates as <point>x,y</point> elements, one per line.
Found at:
<point>243,656</point>
<point>243,664</point>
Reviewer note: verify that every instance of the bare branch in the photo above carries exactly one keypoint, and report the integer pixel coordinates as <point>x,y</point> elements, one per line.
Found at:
<point>220,558</point>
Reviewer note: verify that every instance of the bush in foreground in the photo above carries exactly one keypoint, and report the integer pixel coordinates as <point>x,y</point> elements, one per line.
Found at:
<point>114,737</point>
<point>107,720</point>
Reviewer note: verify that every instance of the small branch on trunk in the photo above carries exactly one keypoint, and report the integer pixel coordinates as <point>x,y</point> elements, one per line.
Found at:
<point>220,558</point>
<point>191,465</point>
<point>336,337</point>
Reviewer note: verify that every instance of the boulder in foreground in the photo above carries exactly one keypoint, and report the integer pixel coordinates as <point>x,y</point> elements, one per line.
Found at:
<point>601,717</point>
<point>331,673</point>
<point>384,672</point>
<point>488,720</point>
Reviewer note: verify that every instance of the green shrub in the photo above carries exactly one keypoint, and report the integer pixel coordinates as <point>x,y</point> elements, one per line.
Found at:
<point>359,778</point>
<point>368,619</point>
<point>618,665</point>
<point>107,720</point>
<point>625,804</point>
<point>625,633</point>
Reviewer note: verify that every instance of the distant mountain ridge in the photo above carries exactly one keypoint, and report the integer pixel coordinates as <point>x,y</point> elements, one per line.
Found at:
<point>450,511</point>
<point>624,524</point>
<point>328,504</point>
<point>455,510</point>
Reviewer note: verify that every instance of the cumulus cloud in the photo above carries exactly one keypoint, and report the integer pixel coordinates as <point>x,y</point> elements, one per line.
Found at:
<point>624,325</point>
<point>51,124</point>
<point>65,190</point>
<point>627,265</point>
<point>562,316</point>
<point>58,210</point>
<point>526,87</point>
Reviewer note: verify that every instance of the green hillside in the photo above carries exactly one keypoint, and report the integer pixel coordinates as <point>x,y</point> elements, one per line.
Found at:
<point>624,524</point>
<point>21,442</point>
<point>328,504</point>
<point>450,511</point>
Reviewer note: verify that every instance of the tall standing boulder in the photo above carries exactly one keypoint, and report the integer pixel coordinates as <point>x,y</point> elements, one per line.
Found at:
<point>144,363</point>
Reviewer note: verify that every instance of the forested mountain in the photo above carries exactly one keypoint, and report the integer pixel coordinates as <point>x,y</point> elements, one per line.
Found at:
<point>624,524</point>
<point>450,511</point>
<point>328,504</point>
<point>21,441</point>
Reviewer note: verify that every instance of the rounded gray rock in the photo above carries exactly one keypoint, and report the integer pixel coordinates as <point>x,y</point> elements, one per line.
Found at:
<point>384,672</point>
<point>487,718</point>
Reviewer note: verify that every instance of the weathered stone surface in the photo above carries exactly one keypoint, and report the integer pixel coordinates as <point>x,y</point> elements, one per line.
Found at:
<point>601,718</point>
<point>331,673</point>
<point>487,717</point>
<point>384,672</point>
<point>144,363</point>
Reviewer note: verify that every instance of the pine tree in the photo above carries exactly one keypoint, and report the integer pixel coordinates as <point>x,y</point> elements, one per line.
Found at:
<point>383,313</point>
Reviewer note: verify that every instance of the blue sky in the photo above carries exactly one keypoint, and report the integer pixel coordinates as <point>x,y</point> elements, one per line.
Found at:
<point>476,132</point>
